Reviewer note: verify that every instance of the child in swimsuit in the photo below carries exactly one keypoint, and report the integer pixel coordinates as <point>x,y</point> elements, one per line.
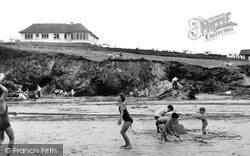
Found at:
<point>127,120</point>
<point>4,117</point>
<point>203,119</point>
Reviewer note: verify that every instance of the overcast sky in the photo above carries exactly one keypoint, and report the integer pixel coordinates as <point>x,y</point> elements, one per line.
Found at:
<point>147,24</point>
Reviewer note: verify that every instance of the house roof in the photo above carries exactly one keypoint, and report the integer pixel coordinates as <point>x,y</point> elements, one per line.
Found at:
<point>56,28</point>
<point>245,52</point>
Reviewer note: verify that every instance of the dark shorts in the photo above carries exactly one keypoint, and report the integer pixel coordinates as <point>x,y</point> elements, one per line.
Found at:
<point>128,119</point>
<point>157,117</point>
<point>4,120</point>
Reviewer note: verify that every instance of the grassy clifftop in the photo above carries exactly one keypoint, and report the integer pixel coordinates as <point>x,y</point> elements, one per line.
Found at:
<point>99,54</point>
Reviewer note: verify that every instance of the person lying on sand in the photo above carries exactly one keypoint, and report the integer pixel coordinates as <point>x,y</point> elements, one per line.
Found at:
<point>166,126</point>
<point>162,112</point>
<point>203,119</point>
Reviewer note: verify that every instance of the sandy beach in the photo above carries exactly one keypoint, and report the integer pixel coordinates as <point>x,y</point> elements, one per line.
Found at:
<point>90,128</point>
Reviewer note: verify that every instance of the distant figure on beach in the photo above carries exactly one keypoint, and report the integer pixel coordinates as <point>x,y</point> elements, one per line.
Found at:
<point>192,91</point>
<point>203,119</point>
<point>124,114</point>
<point>175,83</point>
<point>110,56</point>
<point>65,93</point>
<point>72,92</point>
<point>38,91</point>
<point>20,94</point>
<point>162,112</point>
<point>4,117</point>
<point>166,126</point>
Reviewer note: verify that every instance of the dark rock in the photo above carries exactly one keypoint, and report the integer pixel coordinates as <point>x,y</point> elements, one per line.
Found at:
<point>60,71</point>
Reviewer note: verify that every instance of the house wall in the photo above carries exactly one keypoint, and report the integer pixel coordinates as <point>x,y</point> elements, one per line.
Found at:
<point>233,55</point>
<point>61,39</point>
<point>245,57</point>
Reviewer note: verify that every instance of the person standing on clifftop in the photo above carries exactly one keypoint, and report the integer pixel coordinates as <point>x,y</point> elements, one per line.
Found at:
<point>4,117</point>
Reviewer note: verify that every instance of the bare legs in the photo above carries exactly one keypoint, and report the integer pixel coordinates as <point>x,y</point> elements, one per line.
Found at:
<point>162,127</point>
<point>10,133</point>
<point>204,129</point>
<point>1,137</point>
<point>124,129</point>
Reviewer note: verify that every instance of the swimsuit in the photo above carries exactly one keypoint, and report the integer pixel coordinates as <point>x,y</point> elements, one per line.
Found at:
<point>126,116</point>
<point>4,120</point>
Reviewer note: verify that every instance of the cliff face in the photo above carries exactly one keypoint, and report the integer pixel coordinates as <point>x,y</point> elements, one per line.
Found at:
<point>59,71</point>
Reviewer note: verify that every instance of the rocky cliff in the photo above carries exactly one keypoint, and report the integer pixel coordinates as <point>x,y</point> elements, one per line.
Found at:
<point>60,71</point>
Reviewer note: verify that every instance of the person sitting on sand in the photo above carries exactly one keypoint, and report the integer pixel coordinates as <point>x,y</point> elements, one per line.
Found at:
<point>4,117</point>
<point>166,126</point>
<point>162,112</point>
<point>203,119</point>
<point>124,114</point>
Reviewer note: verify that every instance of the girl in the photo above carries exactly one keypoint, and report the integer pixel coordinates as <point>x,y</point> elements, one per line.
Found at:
<point>127,120</point>
<point>4,117</point>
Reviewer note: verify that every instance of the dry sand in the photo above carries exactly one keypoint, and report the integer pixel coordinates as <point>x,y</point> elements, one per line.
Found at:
<point>90,128</point>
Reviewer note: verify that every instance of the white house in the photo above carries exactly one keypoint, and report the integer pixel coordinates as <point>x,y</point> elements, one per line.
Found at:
<point>245,54</point>
<point>58,33</point>
<point>233,55</point>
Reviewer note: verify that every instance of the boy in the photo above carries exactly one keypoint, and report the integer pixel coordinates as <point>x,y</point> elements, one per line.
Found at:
<point>162,112</point>
<point>203,119</point>
<point>166,126</point>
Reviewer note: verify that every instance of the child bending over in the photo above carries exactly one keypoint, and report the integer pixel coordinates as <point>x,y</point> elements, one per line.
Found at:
<point>166,126</point>
<point>162,112</point>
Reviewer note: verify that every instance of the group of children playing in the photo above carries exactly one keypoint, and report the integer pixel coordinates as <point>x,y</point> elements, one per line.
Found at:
<point>166,125</point>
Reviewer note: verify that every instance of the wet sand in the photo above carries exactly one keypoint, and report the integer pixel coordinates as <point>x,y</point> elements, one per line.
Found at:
<point>90,128</point>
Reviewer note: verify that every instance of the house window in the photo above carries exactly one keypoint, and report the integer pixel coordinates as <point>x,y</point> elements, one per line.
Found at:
<point>56,36</point>
<point>86,36</point>
<point>65,36</point>
<point>37,35</point>
<point>28,36</point>
<point>83,36</point>
<point>45,35</point>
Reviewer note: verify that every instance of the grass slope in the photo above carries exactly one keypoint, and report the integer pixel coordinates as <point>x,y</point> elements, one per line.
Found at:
<point>100,54</point>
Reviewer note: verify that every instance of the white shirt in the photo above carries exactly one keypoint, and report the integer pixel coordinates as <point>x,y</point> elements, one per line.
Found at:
<point>39,88</point>
<point>161,112</point>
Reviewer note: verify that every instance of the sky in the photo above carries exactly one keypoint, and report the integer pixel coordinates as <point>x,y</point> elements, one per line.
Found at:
<point>143,24</point>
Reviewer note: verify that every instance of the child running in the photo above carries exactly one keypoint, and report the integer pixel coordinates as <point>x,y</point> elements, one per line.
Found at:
<point>162,112</point>
<point>127,120</point>
<point>166,126</point>
<point>203,119</point>
<point>4,117</point>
